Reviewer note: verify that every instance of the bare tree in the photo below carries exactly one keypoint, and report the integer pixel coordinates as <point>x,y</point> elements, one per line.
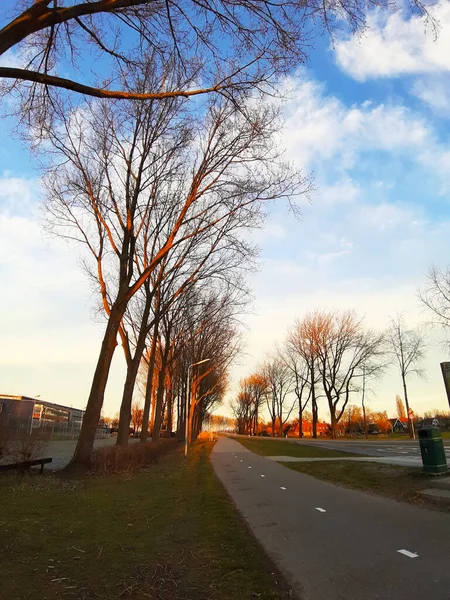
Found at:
<point>136,416</point>
<point>248,402</point>
<point>229,45</point>
<point>435,295</point>
<point>279,384</point>
<point>300,369</point>
<point>346,354</point>
<point>304,340</point>
<point>407,346</point>
<point>186,186</point>
<point>241,407</point>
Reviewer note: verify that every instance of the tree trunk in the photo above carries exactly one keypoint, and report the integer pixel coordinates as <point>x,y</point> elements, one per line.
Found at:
<point>169,401</point>
<point>192,407</point>
<point>132,371</point>
<point>300,420</point>
<point>410,422</point>
<point>183,400</point>
<point>83,451</point>
<point>195,425</point>
<point>159,402</point>
<point>366,433</point>
<point>313,402</point>
<point>127,397</point>
<point>333,423</point>
<point>149,385</point>
<point>152,416</point>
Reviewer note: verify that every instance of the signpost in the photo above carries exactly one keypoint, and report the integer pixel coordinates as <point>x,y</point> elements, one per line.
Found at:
<point>445,368</point>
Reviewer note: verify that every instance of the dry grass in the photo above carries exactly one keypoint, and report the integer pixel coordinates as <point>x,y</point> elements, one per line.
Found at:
<point>131,458</point>
<point>280,447</point>
<point>169,532</point>
<point>399,483</point>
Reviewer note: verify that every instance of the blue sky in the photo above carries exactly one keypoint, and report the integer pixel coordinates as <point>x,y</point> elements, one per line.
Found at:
<point>370,118</point>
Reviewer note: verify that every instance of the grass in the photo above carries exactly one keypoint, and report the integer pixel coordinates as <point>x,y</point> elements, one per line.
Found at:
<point>167,533</point>
<point>399,483</point>
<point>278,447</point>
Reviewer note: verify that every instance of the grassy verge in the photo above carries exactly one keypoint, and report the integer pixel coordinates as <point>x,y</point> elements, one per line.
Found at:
<point>399,483</point>
<point>286,448</point>
<point>166,533</point>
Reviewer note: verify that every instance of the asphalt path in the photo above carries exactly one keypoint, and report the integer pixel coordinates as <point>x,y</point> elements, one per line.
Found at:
<point>334,543</point>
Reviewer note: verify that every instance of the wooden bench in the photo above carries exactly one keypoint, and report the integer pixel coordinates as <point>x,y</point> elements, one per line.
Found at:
<point>27,464</point>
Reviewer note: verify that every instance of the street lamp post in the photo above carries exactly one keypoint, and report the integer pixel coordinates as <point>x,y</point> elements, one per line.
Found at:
<point>186,416</point>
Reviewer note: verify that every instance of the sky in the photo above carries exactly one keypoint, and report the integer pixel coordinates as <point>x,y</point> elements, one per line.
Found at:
<point>369,117</point>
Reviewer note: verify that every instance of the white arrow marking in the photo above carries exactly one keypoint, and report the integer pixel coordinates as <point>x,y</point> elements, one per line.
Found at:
<point>408,553</point>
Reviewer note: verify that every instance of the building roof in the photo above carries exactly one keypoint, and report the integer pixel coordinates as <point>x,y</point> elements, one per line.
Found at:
<point>11,397</point>
<point>39,401</point>
<point>398,421</point>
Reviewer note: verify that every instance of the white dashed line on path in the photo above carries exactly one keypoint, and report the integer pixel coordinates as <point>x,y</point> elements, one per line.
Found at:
<point>282,488</point>
<point>242,460</point>
<point>320,509</point>
<point>262,475</point>
<point>408,553</point>
<point>249,467</point>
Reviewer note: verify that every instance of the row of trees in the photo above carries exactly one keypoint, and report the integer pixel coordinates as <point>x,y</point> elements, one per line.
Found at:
<point>328,355</point>
<point>353,422</point>
<point>158,191</point>
<point>160,200</point>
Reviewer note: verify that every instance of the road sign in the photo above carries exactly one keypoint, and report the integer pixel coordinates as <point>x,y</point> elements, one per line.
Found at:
<point>445,368</point>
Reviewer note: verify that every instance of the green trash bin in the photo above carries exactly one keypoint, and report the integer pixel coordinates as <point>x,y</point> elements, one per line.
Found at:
<point>432,449</point>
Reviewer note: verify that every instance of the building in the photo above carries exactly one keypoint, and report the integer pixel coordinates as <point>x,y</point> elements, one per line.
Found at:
<point>322,428</point>
<point>24,413</point>
<point>399,425</point>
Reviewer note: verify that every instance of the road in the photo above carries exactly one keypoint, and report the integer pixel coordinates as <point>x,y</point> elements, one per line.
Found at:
<point>62,451</point>
<point>334,543</point>
<point>401,452</point>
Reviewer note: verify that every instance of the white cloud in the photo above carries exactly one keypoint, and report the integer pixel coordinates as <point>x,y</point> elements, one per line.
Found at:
<point>324,135</point>
<point>18,195</point>
<point>48,341</point>
<point>14,59</point>
<point>319,127</point>
<point>398,44</point>
<point>367,239</point>
<point>435,92</point>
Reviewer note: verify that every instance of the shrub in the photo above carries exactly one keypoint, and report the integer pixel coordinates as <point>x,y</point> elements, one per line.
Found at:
<point>29,445</point>
<point>130,458</point>
<point>6,437</point>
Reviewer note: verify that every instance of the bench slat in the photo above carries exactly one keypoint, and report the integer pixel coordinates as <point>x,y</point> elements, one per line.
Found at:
<point>26,464</point>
